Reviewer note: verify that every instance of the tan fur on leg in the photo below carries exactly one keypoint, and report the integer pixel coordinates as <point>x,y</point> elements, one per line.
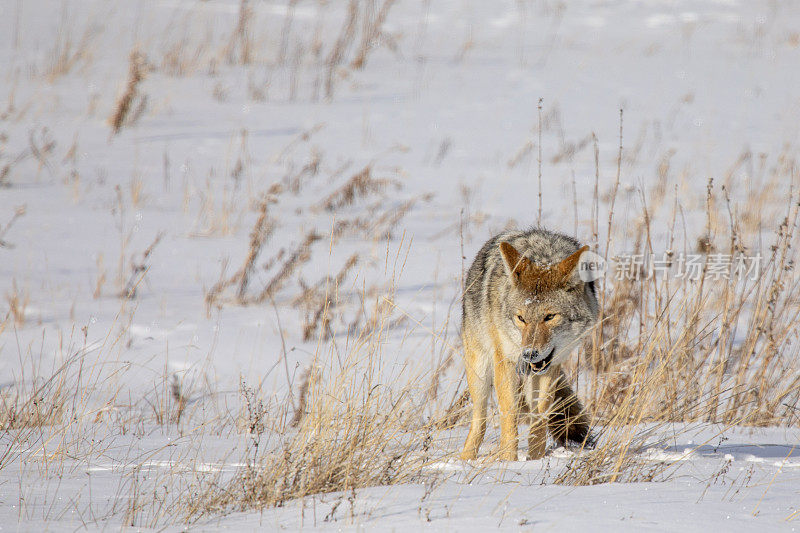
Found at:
<point>479,393</point>
<point>537,438</point>
<point>506,384</point>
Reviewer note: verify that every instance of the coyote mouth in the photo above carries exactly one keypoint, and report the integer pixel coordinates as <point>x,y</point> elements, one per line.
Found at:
<point>526,368</point>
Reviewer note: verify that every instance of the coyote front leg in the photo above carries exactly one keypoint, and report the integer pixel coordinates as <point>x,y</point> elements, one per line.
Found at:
<point>537,438</point>
<point>506,383</point>
<point>479,388</point>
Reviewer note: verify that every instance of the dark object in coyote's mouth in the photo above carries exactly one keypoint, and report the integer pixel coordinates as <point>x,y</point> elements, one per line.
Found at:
<point>525,367</point>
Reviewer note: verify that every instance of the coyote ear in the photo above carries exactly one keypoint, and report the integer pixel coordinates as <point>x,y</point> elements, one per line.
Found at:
<point>566,268</point>
<point>515,263</point>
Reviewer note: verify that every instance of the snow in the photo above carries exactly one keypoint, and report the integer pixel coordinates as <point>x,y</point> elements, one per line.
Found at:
<point>445,110</point>
<point>738,479</point>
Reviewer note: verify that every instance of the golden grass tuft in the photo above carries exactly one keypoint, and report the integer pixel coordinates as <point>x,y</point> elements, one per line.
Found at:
<point>26,409</point>
<point>300,256</point>
<point>351,432</point>
<point>17,303</point>
<point>358,186</point>
<point>262,230</point>
<point>371,32</point>
<point>124,110</point>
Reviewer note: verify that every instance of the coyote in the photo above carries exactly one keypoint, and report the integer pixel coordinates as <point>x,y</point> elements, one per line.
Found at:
<point>524,309</point>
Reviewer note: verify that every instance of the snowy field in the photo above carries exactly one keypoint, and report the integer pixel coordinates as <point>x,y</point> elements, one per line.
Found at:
<point>230,229</point>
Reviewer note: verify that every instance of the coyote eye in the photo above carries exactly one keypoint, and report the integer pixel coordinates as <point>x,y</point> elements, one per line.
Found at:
<point>519,317</point>
<point>549,317</point>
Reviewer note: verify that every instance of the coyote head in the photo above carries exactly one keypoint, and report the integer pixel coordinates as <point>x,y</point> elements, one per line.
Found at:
<point>550,305</point>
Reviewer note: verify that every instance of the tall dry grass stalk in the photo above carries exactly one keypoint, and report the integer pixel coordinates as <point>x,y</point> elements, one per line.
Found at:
<point>340,47</point>
<point>139,264</point>
<point>17,303</point>
<point>262,230</point>
<point>239,49</point>
<point>371,31</point>
<point>319,304</point>
<point>68,53</point>
<point>122,114</point>
<point>286,32</point>
<point>19,212</point>
<point>300,256</point>
<point>359,185</point>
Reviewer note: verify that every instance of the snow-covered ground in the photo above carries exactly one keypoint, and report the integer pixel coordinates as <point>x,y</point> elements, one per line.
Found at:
<point>737,479</point>
<point>738,487</point>
<point>446,110</point>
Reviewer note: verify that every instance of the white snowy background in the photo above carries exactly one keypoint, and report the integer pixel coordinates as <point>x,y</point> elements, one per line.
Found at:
<point>444,107</point>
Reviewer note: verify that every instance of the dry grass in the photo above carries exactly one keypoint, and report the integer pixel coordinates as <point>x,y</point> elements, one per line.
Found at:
<point>309,377</point>
<point>318,319</point>
<point>300,256</point>
<point>17,302</point>
<point>239,49</point>
<point>358,186</point>
<point>326,53</point>
<point>722,343</point>
<point>139,264</point>
<point>19,211</point>
<point>261,232</point>
<point>371,32</point>
<point>127,110</point>
<point>169,400</point>
<point>41,147</point>
<point>41,406</point>
<point>351,433</point>
<point>67,53</point>
<point>340,47</point>
<point>284,264</point>
<point>36,402</point>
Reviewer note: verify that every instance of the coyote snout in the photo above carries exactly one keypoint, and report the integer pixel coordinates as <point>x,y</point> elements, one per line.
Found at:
<point>525,308</point>
<point>533,361</point>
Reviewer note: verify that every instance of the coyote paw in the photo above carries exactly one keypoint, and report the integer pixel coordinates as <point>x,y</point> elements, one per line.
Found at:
<point>509,455</point>
<point>468,455</point>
